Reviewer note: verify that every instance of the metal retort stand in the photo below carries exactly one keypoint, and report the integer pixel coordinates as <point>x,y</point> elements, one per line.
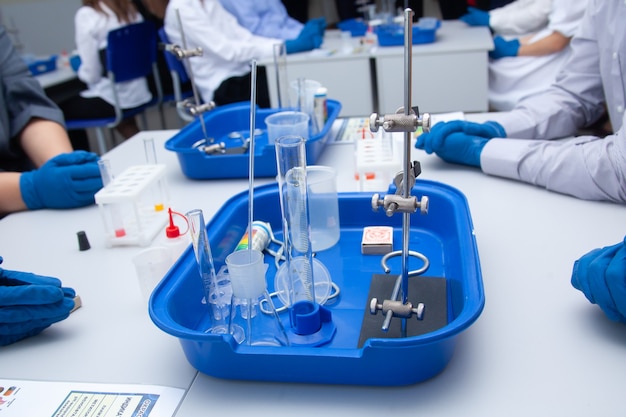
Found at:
<point>407,120</point>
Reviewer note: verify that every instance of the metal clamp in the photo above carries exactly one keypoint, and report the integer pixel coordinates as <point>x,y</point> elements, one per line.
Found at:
<point>181,53</point>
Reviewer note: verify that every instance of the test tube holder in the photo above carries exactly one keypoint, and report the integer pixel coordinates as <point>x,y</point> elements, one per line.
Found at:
<point>133,205</point>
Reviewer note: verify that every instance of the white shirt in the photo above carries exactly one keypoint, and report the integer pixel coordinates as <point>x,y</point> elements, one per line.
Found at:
<point>586,167</point>
<point>513,78</point>
<point>264,17</point>
<point>92,28</point>
<point>520,17</point>
<point>228,48</point>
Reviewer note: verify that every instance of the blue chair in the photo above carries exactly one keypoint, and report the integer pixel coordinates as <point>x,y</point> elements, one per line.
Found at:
<point>131,53</point>
<point>179,78</point>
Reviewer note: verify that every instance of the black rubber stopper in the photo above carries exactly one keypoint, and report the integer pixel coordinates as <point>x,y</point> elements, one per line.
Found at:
<point>83,242</point>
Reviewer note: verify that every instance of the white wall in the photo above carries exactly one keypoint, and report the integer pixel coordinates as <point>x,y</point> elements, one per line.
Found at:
<point>42,27</point>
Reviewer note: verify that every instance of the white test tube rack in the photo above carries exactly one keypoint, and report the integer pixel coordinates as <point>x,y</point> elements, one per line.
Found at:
<point>133,205</point>
<point>376,162</point>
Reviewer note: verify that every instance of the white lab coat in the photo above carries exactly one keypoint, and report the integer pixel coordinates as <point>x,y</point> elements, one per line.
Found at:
<point>513,78</point>
<point>92,28</point>
<point>587,167</point>
<point>228,48</point>
<point>520,17</point>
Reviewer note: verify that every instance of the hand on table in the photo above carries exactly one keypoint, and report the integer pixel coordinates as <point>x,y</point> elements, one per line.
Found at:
<point>459,141</point>
<point>475,17</point>
<point>504,48</point>
<point>601,276</point>
<point>29,303</point>
<point>65,181</point>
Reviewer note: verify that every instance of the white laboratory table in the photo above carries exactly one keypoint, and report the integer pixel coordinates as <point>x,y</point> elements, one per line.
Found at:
<point>450,74</point>
<point>347,75</point>
<point>539,347</point>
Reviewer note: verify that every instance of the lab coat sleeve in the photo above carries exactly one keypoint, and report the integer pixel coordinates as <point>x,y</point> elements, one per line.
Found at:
<point>218,32</point>
<point>86,26</point>
<point>586,167</point>
<point>520,17</point>
<point>577,98</point>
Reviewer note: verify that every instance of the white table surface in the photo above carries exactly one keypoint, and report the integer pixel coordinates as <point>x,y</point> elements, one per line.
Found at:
<point>539,347</point>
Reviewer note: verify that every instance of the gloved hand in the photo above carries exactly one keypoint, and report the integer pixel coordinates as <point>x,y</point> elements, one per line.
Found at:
<point>476,17</point>
<point>459,141</point>
<point>315,26</point>
<point>65,181</point>
<point>504,48</point>
<point>308,39</point>
<point>29,303</point>
<point>601,276</point>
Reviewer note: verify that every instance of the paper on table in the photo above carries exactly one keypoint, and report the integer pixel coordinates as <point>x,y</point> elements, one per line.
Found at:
<point>20,398</point>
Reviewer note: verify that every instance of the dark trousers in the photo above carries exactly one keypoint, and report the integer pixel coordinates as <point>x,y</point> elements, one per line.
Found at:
<point>236,89</point>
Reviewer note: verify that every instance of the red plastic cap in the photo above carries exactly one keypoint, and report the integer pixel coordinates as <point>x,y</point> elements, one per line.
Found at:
<point>172,230</point>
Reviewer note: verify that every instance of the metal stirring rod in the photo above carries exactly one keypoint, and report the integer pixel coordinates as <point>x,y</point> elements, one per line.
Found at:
<point>196,96</point>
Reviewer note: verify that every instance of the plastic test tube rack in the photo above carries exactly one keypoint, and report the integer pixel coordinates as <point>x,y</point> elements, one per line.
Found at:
<point>133,205</point>
<point>377,161</point>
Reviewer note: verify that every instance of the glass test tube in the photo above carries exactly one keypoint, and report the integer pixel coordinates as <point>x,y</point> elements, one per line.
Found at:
<point>116,218</point>
<point>151,159</point>
<point>217,293</point>
<point>291,157</point>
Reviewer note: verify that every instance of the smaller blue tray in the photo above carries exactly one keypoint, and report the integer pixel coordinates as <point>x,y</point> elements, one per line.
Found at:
<point>38,66</point>
<point>234,120</point>
<point>424,31</point>
<point>445,235</point>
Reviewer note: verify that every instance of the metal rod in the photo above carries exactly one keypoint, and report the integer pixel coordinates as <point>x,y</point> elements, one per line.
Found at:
<point>196,95</point>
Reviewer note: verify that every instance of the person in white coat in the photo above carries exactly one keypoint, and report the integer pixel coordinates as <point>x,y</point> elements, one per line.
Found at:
<point>93,21</point>
<point>519,144</point>
<point>525,65</point>
<point>222,74</point>
<point>519,17</point>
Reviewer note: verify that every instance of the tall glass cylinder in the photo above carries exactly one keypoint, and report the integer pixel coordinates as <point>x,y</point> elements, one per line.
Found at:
<point>291,163</point>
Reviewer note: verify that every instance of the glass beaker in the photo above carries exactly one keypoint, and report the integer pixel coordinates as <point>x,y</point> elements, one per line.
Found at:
<point>217,288</point>
<point>254,320</point>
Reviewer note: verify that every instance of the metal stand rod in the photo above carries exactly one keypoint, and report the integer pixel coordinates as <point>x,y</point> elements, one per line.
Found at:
<point>405,120</point>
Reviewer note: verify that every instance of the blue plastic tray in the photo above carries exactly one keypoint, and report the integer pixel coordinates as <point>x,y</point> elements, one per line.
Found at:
<point>220,124</point>
<point>444,235</point>
<point>425,31</point>
<point>38,66</point>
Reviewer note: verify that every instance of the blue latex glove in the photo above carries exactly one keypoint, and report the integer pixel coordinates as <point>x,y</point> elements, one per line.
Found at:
<point>601,276</point>
<point>308,39</point>
<point>65,181</point>
<point>315,26</point>
<point>459,141</point>
<point>476,17</point>
<point>504,48</point>
<point>29,303</point>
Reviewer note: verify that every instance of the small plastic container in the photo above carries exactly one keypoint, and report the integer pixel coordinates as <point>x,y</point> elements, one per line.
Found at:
<point>356,27</point>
